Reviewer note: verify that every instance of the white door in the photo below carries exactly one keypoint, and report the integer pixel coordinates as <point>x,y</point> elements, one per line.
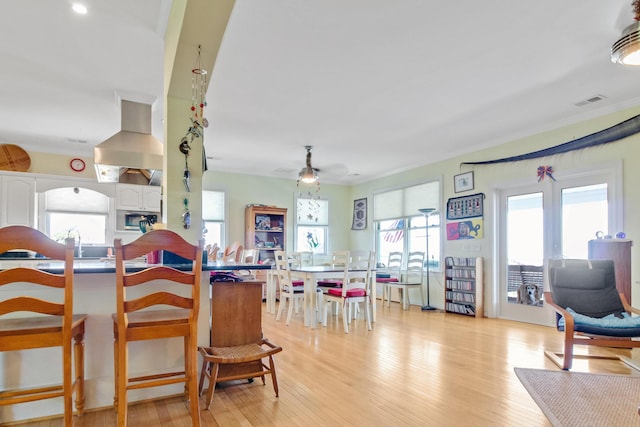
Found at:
<point>552,219</point>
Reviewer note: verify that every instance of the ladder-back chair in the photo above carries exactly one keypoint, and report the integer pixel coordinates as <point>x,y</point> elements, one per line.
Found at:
<point>138,317</point>
<point>51,322</point>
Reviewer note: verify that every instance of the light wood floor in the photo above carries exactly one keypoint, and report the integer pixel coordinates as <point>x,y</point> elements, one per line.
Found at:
<point>413,369</point>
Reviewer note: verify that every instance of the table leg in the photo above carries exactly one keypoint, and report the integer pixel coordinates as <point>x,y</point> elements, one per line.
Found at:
<point>374,291</point>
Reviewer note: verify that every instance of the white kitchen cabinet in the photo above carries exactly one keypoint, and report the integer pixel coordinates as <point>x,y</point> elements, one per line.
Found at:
<point>17,200</point>
<point>138,198</point>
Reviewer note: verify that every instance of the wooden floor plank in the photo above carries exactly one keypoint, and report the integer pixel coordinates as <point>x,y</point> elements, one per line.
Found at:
<point>414,368</point>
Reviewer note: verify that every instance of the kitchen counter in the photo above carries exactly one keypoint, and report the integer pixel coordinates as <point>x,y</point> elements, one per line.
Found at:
<point>95,295</point>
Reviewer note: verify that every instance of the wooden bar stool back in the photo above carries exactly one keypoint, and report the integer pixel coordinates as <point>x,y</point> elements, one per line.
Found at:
<point>138,317</point>
<point>50,323</point>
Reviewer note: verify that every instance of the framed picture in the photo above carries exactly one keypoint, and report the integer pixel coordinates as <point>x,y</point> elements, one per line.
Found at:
<point>359,214</point>
<point>463,182</point>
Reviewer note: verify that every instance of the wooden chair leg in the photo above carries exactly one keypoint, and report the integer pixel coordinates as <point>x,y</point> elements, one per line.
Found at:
<point>212,384</point>
<point>345,316</point>
<point>78,350</point>
<point>203,374</point>
<point>274,378</point>
<point>67,385</point>
<point>123,377</point>
<point>192,373</point>
<point>290,310</point>
<point>281,306</point>
<point>115,373</point>
<point>367,305</point>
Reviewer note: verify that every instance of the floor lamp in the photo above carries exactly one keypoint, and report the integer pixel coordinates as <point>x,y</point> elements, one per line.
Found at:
<point>427,212</point>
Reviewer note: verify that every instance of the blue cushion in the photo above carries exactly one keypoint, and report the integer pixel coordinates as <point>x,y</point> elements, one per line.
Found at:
<point>624,328</point>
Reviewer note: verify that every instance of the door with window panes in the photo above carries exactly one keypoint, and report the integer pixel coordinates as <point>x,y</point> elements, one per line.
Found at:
<point>548,220</point>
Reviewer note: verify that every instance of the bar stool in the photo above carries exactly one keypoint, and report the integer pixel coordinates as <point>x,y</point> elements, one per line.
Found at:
<point>55,325</point>
<point>133,322</point>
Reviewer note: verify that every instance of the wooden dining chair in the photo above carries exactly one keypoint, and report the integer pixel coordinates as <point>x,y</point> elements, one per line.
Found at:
<point>356,288</point>
<point>48,297</point>
<point>412,280</point>
<point>391,273</point>
<point>290,291</point>
<point>138,317</point>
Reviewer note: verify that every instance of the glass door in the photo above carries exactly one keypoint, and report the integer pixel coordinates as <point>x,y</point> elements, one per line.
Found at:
<point>548,220</point>
<point>522,266</point>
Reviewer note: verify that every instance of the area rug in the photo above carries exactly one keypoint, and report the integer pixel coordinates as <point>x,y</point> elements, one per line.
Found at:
<point>581,399</point>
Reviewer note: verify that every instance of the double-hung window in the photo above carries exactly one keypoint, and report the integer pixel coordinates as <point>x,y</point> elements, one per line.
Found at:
<point>312,224</point>
<point>213,218</point>
<point>401,227</point>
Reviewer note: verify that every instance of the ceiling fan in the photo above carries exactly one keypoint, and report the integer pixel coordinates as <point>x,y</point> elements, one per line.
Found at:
<point>308,174</point>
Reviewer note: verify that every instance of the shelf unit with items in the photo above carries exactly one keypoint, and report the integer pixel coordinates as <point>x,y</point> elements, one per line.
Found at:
<point>464,291</point>
<point>265,230</point>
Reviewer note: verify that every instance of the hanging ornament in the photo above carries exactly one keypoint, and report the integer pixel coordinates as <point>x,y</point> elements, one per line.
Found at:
<point>199,91</point>
<point>545,171</point>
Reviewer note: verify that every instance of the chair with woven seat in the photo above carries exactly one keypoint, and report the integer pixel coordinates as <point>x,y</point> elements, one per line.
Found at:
<point>290,291</point>
<point>54,324</point>
<point>237,346</point>
<point>412,280</point>
<point>589,309</point>
<point>138,317</point>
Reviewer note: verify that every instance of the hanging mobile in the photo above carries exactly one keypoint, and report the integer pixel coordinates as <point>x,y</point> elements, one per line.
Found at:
<point>198,90</point>
<point>186,177</point>
<point>186,216</point>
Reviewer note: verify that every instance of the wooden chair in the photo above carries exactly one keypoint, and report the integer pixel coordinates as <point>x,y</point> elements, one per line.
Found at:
<point>588,288</point>
<point>55,325</point>
<point>339,259</point>
<point>291,291</point>
<point>299,259</point>
<point>412,280</point>
<point>247,256</point>
<point>237,345</point>
<point>393,270</point>
<point>232,252</point>
<point>212,252</point>
<point>135,322</point>
<point>356,288</point>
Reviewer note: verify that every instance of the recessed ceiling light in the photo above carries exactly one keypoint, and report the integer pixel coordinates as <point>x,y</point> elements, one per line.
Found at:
<point>79,8</point>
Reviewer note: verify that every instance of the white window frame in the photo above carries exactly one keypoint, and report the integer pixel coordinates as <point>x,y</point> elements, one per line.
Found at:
<point>402,204</point>
<point>320,222</point>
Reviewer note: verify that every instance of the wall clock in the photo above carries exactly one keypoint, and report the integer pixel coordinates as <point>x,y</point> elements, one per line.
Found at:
<point>77,165</point>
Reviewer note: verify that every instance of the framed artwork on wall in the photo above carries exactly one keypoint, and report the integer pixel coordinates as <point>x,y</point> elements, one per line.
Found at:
<point>463,182</point>
<point>359,214</point>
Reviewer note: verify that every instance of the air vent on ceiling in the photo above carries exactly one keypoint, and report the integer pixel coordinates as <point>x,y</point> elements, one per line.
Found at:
<point>284,171</point>
<point>591,100</point>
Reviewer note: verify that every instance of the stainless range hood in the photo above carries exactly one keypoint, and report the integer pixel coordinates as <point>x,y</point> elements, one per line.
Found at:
<point>131,149</point>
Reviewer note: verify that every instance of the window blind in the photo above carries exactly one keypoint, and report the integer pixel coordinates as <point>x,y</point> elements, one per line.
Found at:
<point>406,201</point>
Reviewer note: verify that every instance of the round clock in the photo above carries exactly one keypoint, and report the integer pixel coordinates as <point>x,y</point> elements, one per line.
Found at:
<point>77,165</point>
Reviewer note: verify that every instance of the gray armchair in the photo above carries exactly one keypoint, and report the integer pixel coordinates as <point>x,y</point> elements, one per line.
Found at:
<point>589,308</point>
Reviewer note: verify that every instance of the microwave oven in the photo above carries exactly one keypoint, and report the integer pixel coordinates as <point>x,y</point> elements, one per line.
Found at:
<point>132,220</point>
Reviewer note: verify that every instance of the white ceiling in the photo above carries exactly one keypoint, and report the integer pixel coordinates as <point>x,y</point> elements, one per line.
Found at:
<point>376,86</point>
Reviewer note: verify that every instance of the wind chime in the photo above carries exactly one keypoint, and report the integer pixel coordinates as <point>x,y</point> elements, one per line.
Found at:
<point>198,121</point>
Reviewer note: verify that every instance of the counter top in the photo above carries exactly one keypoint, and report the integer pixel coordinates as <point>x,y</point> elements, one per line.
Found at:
<point>104,265</point>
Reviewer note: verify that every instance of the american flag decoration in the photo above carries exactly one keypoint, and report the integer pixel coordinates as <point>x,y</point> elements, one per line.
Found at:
<point>397,232</point>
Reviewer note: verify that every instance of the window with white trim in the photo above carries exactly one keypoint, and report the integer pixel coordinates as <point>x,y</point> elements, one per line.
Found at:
<point>76,212</point>
<point>399,225</point>
<point>213,218</point>
<point>312,225</point>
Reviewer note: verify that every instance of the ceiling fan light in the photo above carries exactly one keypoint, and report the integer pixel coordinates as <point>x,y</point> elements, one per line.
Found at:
<point>308,175</point>
<point>626,50</point>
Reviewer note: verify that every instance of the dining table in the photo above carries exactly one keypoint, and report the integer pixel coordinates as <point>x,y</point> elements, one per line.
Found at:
<point>310,275</point>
